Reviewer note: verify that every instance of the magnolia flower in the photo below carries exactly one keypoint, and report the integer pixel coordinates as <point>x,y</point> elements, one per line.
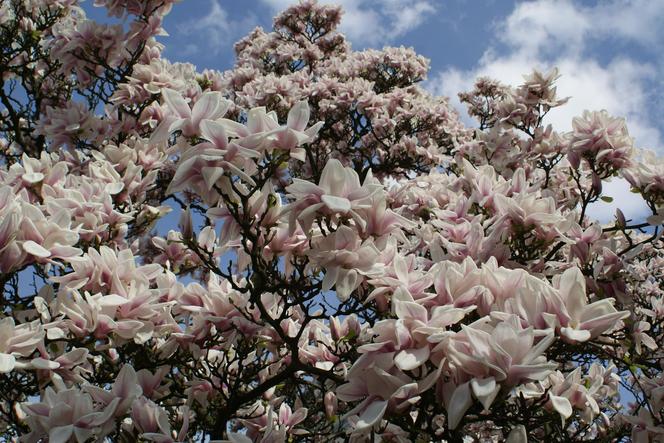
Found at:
<point>600,139</point>
<point>68,414</point>
<point>346,259</point>
<point>579,320</point>
<point>18,341</point>
<point>505,354</point>
<point>209,106</point>
<point>379,390</point>
<point>338,194</point>
<point>265,133</point>
<point>201,166</point>
<point>644,429</point>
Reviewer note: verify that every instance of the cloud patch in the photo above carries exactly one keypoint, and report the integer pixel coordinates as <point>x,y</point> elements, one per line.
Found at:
<point>213,32</point>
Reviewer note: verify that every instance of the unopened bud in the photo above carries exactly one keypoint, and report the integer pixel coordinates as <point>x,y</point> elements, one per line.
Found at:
<point>596,184</point>
<point>620,218</point>
<point>331,404</point>
<point>186,225</point>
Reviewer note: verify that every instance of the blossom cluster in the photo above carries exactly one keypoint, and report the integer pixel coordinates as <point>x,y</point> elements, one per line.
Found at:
<point>351,263</point>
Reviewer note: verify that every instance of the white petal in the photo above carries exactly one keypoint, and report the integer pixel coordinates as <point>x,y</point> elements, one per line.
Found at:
<point>60,434</point>
<point>211,175</point>
<point>206,107</point>
<point>330,278</point>
<point>34,249</point>
<point>573,290</point>
<point>372,415</point>
<point>485,390</point>
<point>7,362</point>
<point>579,335</point>
<point>409,359</point>
<point>298,116</point>
<point>33,177</point>
<point>114,188</point>
<point>42,363</point>
<point>410,310</point>
<point>336,204</point>
<point>112,300</point>
<point>459,404</point>
<point>346,284</point>
<point>214,132</point>
<point>176,103</point>
<point>561,405</point>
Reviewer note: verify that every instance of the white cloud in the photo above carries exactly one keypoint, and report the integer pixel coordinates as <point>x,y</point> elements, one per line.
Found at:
<point>214,31</point>
<point>548,24</point>
<point>547,33</point>
<point>375,22</point>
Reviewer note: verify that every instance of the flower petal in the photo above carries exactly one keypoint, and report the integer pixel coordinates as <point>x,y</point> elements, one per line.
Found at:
<point>336,204</point>
<point>35,249</point>
<point>459,404</point>
<point>7,362</point>
<point>409,359</point>
<point>176,103</point>
<point>298,116</point>
<point>561,405</point>
<point>371,415</point>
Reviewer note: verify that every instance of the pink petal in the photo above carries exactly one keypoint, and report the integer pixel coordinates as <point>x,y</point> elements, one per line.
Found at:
<point>176,103</point>
<point>214,132</point>
<point>206,107</point>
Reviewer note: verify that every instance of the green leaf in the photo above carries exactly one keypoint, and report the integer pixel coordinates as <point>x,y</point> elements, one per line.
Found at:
<point>606,198</point>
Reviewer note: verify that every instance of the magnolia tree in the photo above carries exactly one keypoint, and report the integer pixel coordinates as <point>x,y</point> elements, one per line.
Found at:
<point>351,263</point>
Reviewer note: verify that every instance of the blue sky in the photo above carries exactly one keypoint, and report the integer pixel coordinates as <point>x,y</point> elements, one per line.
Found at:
<point>609,52</point>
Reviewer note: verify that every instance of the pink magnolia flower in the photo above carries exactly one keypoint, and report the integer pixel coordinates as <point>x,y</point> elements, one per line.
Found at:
<point>18,342</point>
<point>347,260</point>
<point>579,320</point>
<point>504,354</point>
<point>201,166</point>
<point>122,394</point>
<point>644,429</point>
<point>338,194</point>
<point>263,131</point>
<point>600,139</point>
<point>67,414</point>
<point>209,106</point>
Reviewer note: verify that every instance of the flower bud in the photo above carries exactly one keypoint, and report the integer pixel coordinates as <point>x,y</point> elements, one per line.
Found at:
<point>331,404</point>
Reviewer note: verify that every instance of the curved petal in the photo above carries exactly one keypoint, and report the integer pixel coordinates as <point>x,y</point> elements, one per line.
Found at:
<point>561,405</point>
<point>409,359</point>
<point>459,404</point>
<point>336,204</point>
<point>35,249</point>
<point>298,116</point>
<point>371,415</point>
<point>214,132</point>
<point>206,107</point>
<point>176,102</point>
